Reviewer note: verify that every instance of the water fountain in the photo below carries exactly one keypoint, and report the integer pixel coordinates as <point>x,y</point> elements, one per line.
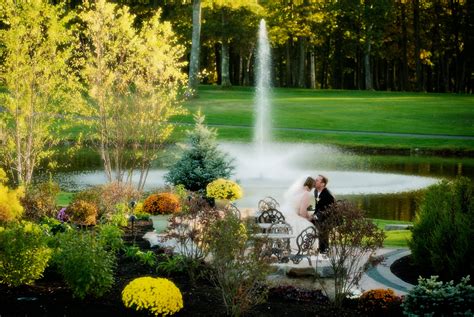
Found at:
<point>266,168</point>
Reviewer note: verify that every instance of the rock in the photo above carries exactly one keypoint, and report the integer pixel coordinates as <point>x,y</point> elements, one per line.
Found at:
<point>390,227</point>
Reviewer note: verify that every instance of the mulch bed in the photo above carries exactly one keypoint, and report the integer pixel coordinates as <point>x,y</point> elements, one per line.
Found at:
<point>49,296</point>
<point>407,271</point>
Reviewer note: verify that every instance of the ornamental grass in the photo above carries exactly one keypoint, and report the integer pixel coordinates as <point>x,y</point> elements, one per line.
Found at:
<point>158,296</point>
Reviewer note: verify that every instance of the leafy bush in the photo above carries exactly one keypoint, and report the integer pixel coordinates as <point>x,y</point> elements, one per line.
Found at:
<point>171,264</point>
<point>10,206</point>
<point>120,216</point>
<point>83,213</point>
<point>107,197</point>
<point>191,230</point>
<point>435,298</point>
<point>145,258</point>
<point>84,263</point>
<point>239,272</point>
<point>380,302</point>
<point>53,225</point>
<point>202,162</point>
<point>443,230</point>
<point>162,203</point>
<point>353,237</point>
<point>40,201</point>
<point>223,189</point>
<point>110,237</point>
<point>158,296</point>
<point>24,253</point>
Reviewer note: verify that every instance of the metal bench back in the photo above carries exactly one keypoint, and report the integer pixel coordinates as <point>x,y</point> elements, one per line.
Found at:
<point>271,216</point>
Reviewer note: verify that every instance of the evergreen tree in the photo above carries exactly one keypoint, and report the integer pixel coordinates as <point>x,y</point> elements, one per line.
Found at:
<point>202,162</point>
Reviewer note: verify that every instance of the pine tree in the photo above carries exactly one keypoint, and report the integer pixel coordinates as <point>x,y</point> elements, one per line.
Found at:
<point>202,162</point>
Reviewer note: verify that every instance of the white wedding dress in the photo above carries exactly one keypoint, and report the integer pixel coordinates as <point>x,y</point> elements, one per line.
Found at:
<point>290,207</point>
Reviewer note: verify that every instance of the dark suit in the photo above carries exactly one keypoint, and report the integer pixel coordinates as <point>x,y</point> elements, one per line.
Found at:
<point>325,200</point>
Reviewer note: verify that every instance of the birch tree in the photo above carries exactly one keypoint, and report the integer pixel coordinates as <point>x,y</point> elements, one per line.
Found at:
<point>41,90</point>
<point>134,79</point>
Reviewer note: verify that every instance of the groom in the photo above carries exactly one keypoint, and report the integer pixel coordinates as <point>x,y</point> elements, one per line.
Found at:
<point>324,199</point>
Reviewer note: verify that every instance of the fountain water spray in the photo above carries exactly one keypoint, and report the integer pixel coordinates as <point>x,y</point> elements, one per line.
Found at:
<point>262,135</point>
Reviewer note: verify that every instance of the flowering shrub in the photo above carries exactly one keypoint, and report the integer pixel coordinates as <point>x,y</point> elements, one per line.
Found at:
<point>62,215</point>
<point>83,212</point>
<point>379,302</point>
<point>223,189</point>
<point>159,296</point>
<point>163,203</point>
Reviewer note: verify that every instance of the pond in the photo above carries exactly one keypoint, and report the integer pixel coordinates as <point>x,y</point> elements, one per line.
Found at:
<point>386,186</point>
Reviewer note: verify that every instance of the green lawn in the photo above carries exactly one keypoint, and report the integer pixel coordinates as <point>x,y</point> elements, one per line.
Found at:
<point>394,238</point>
<point>298,114</point>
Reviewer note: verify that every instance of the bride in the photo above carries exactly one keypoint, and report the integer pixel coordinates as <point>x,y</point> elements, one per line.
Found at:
<point>297,199</point>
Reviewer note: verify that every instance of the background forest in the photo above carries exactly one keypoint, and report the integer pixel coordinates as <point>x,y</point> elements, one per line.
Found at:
<point>398,45</point>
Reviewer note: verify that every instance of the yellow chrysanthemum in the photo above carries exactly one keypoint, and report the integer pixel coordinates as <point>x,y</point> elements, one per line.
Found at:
<point>224,189</point>
<point>159,296</point>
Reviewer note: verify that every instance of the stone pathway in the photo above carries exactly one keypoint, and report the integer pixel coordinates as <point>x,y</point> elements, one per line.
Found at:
<point>380,276</point>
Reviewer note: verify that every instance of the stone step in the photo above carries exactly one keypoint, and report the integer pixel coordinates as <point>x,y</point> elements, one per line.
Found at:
<point>398,226</point>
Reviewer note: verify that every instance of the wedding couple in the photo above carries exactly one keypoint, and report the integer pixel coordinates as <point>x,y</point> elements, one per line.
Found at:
<point>298,202</point>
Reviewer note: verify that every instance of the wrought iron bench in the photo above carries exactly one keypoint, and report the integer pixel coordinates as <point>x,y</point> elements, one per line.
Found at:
<point>267,203</point>
<point>271,215</point>
<point>304,241</point>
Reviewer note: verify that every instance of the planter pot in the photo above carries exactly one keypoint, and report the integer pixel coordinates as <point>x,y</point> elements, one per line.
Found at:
<point>160,222</point>
<point>221,203</point>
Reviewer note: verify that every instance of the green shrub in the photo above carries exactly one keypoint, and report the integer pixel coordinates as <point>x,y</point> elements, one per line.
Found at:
<point>10,206</point>
<point>435,298</point>
<point>202,162</point>
<point>84,263</point>
<point>83,213</point>
<point>443,230</point>
<point>239,272</point>
<point>162,203</point>
<point>40,201</point>
<point>145,258</point>
<point>24,253</point>
<point>120,216</point>
<point>168,265</point>
<point>110,236</point>
<point>53,225</point>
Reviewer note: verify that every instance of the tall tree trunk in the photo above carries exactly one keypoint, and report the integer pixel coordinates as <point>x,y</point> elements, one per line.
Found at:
<point>288,64</point>
<point>367,68</point>
<point>337,60</point>
<point>225,76</point>
<point>301,62</point>
<point>195,48</point>
<point>247,68</point>
<point>416,30</point>
<point>312,69</point>
<point>404,65</point>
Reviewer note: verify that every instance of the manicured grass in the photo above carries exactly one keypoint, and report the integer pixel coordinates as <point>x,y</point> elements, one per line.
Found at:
<point>64,198</point>
<point>394,238</point>
<point>339,110</point>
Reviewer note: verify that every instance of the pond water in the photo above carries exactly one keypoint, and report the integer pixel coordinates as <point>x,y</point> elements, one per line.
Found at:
<point>386,186</point>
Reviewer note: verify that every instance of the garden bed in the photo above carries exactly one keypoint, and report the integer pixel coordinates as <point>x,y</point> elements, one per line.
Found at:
<point>49,296</point>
